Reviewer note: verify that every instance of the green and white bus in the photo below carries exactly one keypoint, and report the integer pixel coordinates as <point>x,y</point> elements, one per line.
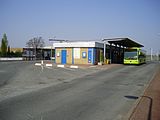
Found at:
<point>134,55</point>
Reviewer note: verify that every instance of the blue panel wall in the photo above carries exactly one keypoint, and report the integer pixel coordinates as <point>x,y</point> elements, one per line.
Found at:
<point>63,56</point>
<point>89,55</point>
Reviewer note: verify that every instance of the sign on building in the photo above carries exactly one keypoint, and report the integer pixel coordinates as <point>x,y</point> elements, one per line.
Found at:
<point>76,53</point>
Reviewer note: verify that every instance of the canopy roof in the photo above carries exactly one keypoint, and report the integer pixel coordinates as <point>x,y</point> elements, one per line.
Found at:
<point>126,42</point>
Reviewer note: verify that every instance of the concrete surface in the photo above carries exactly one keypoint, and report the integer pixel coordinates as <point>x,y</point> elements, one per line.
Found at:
<point>104,95</point>
<point>18,77</point>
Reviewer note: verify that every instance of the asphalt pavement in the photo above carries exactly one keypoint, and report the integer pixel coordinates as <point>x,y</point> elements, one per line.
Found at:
<point>104,95</point>
<point>19,77</point>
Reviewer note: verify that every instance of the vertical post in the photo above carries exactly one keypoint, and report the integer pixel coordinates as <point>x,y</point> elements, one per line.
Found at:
<point>123,53</point>
<point>116,53</point>
<point>110,53</point>
<point>119,54</point>
<point>29,54</point>
<point>35,53</point>
<point>157,55</point>
<point>151,54</point>
<point>104,53</point>
<point>42,65</point>
<point>51,53</point>
<point>41,54</point>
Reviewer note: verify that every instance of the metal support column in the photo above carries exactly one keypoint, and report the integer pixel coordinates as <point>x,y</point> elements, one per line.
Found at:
<point>104,53</point>
<point>110,53</point>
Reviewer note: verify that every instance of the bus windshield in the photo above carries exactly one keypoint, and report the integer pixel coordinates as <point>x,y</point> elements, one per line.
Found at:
<point>130,54</point>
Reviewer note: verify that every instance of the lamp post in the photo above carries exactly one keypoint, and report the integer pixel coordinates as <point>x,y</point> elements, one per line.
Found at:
<point>52,40</point>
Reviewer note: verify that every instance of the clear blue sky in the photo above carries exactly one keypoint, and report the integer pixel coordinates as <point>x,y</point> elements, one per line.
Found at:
<point>139,20</point>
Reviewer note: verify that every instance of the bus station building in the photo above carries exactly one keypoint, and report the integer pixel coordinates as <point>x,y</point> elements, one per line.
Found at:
<point>78,52</point>
<point>82,52</point>
<point>92,52</point>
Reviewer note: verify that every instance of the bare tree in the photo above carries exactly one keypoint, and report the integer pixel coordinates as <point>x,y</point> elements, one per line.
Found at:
<point>36,42</point>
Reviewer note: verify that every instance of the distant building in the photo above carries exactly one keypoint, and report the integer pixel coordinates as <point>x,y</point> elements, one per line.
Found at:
<point>43,53</point>
<point>16,50</point>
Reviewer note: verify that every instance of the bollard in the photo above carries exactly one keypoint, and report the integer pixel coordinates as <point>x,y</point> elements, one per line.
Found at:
<point>41,62</point>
